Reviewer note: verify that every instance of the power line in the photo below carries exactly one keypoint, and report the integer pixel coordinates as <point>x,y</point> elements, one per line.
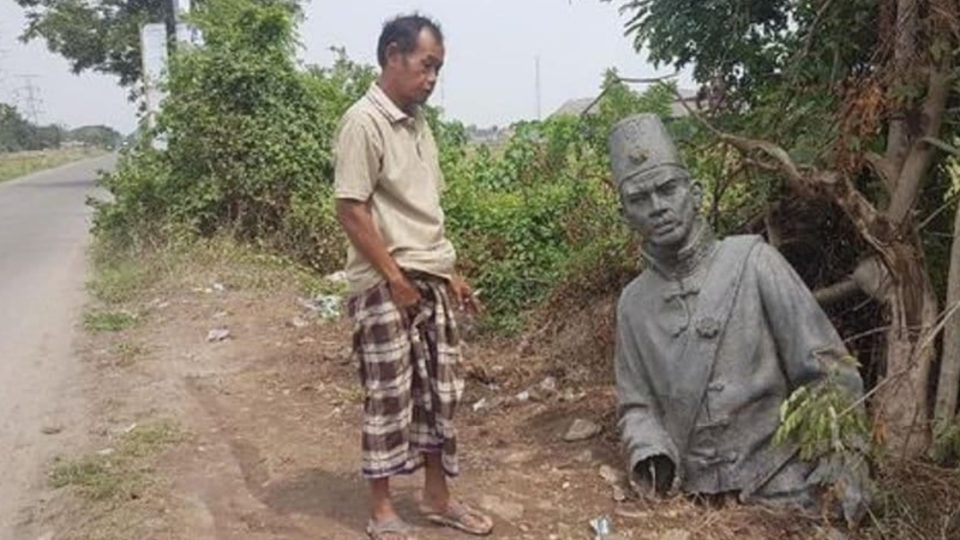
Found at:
<point>28,98</point>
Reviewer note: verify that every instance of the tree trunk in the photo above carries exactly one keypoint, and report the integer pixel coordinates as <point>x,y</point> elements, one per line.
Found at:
<point>900,406</point>
<point>947,387</point>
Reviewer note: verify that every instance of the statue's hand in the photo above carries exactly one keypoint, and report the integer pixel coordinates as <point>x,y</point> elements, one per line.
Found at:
<point>654,475</point>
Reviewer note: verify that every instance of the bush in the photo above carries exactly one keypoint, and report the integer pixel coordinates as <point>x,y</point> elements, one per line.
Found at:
<point>541,213</point>
<point>250,152</point>
<point>249,141</point>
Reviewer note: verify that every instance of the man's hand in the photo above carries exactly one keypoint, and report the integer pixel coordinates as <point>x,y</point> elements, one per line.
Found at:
<point>404,293</point>
<point>654,476</point>
<point>357,221</point>
<point>463,296</point>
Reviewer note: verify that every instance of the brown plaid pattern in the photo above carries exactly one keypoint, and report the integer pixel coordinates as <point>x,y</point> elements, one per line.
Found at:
<point>408,366</point>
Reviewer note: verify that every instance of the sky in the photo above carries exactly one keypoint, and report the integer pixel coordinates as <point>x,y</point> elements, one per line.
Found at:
<point>489,77</point>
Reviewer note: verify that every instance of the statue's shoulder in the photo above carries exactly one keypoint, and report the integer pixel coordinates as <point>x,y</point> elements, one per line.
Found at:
<point>752,246</point>
<point>741,241</point>
<point>751,252</point>
<point>737,247</point>
<point>636,291</point>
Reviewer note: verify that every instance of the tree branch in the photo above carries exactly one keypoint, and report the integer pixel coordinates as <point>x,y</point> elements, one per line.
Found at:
<point>939,143</point>
<point>922,152</point>
<point>816,184</point>
<point>629,80</point>
<point>883,168</point>
<point>904,54</point>
<point>836,292</point>
<point>808,39</point>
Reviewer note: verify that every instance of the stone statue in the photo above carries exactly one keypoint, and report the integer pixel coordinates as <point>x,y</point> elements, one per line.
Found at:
<point>711,339</point>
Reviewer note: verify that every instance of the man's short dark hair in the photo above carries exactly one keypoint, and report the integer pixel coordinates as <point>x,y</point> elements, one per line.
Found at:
<point>405,32</point>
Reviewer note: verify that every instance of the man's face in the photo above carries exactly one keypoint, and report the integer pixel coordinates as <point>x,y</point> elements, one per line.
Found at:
<point>661,205</point>
<point>415,73</point>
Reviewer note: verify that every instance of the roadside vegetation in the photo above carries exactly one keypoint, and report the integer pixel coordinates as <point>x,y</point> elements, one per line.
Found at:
<point>832,174</point>
<point>119,472</point>
<point>16,164</point>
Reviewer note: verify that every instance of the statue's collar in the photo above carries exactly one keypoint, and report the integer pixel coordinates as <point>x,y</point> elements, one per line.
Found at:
<point>684,262</point>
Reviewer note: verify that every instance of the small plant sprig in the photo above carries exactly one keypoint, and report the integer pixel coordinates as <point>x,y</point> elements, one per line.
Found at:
<point>823,418</point>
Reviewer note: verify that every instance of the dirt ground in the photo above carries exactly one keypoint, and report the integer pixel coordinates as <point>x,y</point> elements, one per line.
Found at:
<point>268,444</point>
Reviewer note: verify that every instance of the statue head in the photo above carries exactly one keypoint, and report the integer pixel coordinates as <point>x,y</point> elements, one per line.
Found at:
<point>658,197</point>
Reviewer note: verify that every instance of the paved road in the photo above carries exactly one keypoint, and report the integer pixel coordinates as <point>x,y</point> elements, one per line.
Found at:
<point>44,224</point>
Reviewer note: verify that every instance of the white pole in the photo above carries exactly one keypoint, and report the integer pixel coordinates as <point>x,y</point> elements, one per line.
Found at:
<point>186,33</point>
<point>153,51</point>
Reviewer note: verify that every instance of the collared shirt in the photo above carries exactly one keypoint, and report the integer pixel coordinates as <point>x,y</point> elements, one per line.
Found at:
<point>389,159</point>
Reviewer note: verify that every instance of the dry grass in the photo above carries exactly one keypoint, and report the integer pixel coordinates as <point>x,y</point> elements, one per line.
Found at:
<point>17,164</point>
<point>202,265</point>
<point>116,490</point>
<point>118,472</point>
<point>917,501</point>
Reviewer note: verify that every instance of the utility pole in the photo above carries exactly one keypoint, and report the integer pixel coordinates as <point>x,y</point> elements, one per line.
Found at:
<point>3,73</point>
<point>538,89</point>
<point>443,91</point>
<point>158,40</point>
<point>29,96</point>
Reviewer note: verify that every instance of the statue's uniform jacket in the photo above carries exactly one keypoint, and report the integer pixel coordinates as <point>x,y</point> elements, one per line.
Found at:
<point>775,339</point>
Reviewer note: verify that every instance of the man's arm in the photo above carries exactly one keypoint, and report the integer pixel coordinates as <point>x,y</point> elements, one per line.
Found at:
<point>357,222</point>
<point>359,153</point>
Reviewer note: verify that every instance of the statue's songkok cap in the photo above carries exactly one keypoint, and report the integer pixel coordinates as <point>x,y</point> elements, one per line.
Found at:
<point>640,146</point>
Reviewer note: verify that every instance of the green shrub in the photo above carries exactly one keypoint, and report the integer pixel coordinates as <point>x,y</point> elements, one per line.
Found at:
<point>541,213</point>
<point>249,139</point>
<point>249,152</point>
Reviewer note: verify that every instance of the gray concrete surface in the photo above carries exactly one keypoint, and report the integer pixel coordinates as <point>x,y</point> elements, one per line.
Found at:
<point>44,233</point>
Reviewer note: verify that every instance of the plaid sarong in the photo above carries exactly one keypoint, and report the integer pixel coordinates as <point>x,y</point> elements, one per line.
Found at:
<point>409,369</point>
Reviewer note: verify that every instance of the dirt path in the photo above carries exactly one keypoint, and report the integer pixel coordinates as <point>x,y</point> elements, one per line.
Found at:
<point>274,415</point>
<point>270,446</point>
<point>43,238</point>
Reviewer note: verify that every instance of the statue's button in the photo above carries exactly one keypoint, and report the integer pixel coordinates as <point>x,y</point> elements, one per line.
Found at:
<point>716,386</point>
<point>708,327</point>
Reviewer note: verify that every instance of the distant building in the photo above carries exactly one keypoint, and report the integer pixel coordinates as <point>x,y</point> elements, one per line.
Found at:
<point>491,135</point>
<point>573,107</point>
<point>576,107</point>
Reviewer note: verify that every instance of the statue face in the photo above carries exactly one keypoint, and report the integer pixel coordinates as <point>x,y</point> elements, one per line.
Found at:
<point>662,205</point>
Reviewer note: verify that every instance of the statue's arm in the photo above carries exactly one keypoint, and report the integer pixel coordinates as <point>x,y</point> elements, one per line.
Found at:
<point>808,344</point>
<point>649,446</point>
<point>805,337</point>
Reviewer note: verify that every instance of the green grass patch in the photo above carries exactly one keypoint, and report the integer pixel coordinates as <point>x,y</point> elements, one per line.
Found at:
<point>94,476</point>
<point>118,280</point>
<point>17,164</point>
<point>120,472</point>
<point>108,321</point>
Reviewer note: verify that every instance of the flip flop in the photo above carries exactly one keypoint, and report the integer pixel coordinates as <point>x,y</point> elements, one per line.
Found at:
<point>378,530</point>
<point>455,516</point>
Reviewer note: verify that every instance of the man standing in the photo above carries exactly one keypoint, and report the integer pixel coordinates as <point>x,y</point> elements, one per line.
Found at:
<point>711,339</point>
<point>400,267</point>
